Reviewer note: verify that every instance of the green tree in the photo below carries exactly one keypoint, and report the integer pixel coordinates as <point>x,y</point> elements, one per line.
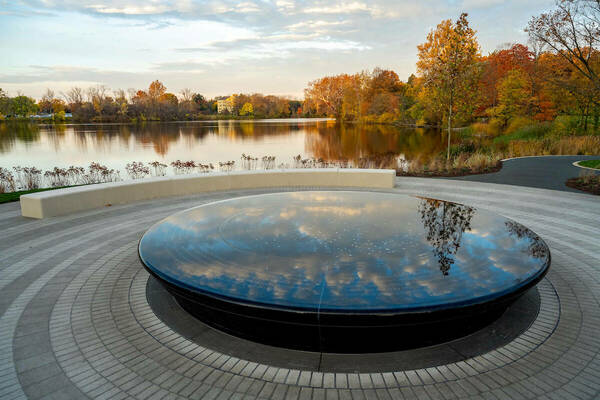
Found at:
<point>448,63</point>
<point>22,106</point>
<point>514,95</point>
<point>4,103</point>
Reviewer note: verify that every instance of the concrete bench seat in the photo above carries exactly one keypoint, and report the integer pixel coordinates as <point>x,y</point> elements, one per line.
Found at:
<point>70,200</point>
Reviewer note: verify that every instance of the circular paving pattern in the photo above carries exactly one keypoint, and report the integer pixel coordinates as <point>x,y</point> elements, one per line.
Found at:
<point>516,321</point>
<point>75,321</point>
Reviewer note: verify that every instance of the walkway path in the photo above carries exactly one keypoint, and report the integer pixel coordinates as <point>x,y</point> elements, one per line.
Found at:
<point>75,321</point>
<point>546,172</point>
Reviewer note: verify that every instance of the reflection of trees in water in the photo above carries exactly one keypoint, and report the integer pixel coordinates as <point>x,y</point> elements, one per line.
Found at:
<point>10,132</point>
<point>355,141</point>
<point>445,223</point>
<point>537,248</point>
<point>255,130</point>
<point>323,139</point>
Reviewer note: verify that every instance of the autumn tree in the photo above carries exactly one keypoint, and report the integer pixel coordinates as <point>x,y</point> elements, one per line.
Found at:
<point>448,63</point>
<point>514,96</point>
<point>572,30</point>
<point>155,90</point>
<point>74,98</point>
<point>45,103</point>
<point>354,97</point>
<point>497,64</point>
<point>351,97</point>
<point>326,95</point>
<point>246,109</point>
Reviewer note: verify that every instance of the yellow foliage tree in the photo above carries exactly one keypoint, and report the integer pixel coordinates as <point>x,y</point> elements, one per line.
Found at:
<point>247,109</point>
<point>514,96</point>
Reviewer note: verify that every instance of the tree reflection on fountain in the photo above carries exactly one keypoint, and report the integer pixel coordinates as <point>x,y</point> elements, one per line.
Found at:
<point>537,248</point>
<point>445,223</point>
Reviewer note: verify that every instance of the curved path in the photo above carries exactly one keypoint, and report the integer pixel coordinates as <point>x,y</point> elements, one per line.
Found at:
<point>545,172</point>
<point>75,321</point>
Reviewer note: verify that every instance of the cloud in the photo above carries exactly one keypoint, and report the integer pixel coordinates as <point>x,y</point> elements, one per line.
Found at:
<point>181,66</point>
<point>301,40</point>
<point>63,73</point>
<point>273,46</point>
<point>129,10</point>
<point>339,8</point>
<point>470,4</point>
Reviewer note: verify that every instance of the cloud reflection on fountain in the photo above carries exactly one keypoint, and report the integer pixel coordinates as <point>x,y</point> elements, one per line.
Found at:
<point>343,251</point>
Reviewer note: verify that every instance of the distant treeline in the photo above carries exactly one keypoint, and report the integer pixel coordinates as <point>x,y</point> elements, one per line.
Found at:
<point>100,104</point>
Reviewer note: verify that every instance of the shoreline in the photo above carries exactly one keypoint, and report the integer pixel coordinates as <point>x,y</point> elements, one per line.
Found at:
<point>69,121</point>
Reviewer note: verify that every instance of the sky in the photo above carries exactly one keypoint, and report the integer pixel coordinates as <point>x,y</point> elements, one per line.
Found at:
<point>224,47</point>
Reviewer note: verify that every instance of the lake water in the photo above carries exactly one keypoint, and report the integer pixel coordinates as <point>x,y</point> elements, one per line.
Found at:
<point>115,145</point>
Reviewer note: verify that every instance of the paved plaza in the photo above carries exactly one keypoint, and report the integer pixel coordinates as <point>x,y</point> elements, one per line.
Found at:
<point>75,320</point>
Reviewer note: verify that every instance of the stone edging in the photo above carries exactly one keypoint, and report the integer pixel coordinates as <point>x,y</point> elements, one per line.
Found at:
<point>80,198</point>
<point>576,164</point>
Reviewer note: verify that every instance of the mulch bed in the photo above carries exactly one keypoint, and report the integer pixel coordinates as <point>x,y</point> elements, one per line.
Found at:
<point>592,186</point>
<point>452,173</point>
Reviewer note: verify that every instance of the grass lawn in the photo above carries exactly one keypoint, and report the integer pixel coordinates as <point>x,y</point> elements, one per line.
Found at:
<point>14,196</point>
<point>590,163</point>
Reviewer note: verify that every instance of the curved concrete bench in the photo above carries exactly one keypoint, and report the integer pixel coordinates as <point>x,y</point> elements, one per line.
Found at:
<point>70,200</point>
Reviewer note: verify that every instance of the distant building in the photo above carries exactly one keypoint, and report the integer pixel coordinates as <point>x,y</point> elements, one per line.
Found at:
<point>49,115</point>
<point>225,105</point>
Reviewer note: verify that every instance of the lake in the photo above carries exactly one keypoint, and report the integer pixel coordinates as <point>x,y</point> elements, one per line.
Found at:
<point>115,145</point>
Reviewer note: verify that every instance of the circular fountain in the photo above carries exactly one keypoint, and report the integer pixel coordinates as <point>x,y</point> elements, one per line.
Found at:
<point>343,271</point>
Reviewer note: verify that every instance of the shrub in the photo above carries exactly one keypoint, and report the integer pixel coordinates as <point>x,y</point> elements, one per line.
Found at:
<point>495,127</point>
<point>183,167</point>
<point>518,123</point>
<point>227,166</point>
<point>57,177</point>
<point>492,128</point>
<point>76,175</point>
<point>137,170</point>
<point>436,164</point>
<point>28,178</point>
<point>527,132</point>
<point>479,161</point>
<point>205,168</point>
<point>268,162</point>
<point>459,162</point>
<point>465,147</point>
<point>160,169</point>
<point>564,125</point>
<point>7,181</point>
<point>249,162</point>
<point>98,173</point>
<point>386,118</point>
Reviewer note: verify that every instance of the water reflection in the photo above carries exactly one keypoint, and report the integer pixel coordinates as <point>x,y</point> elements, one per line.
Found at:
<point>445,224</point>
<point>352,141</point>
<point>117,144</point>
<point>342,250</point>
<point>537,248</point>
